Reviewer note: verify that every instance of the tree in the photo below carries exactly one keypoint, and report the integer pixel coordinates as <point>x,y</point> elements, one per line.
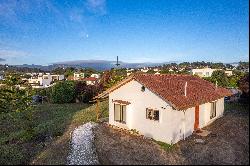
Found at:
<point>63,92</point>
<point>217,66</point>
<point>244,85</point>
<point>219,77</point>
<point>150,71</point>
<point>233,81</point>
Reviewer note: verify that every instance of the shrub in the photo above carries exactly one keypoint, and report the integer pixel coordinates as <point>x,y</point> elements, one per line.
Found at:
<point>63,92</point>
<point>90,92</point>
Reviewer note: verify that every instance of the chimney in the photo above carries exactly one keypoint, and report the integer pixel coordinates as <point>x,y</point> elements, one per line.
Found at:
<point>185,89</point>
<point>216,85</point>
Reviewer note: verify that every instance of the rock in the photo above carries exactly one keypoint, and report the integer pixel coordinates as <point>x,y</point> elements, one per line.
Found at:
<point>200,141</point>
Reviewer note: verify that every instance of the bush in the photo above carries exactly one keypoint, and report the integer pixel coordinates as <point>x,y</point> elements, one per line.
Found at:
<point>63,92</point>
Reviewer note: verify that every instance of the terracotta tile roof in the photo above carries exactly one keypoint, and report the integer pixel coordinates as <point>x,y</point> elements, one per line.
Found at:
<point>89,79</point>
<point>171,88</point>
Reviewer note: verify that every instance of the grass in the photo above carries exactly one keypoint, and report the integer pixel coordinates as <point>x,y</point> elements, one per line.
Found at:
<point>49,123</point>
<point>164,146</point>
<point>237,106</point>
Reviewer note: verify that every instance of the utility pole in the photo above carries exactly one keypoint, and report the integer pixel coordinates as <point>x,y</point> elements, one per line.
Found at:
<point>117,62</point>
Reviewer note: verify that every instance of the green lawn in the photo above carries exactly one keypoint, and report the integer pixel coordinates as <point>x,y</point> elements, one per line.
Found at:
<point>49,123</point>
<point>244,108</point>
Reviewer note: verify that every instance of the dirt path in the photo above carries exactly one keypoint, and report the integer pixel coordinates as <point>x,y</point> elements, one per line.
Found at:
<point>228,144</point>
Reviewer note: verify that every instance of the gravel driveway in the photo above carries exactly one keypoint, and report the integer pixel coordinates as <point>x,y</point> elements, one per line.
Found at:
<point>82,146</point>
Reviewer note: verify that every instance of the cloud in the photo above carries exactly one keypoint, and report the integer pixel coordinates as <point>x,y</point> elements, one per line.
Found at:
<point>12,53</point>
<point>97,6</point>
<point>1,59</point>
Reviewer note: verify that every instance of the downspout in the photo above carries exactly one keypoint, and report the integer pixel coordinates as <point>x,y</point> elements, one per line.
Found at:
<point>184,124</point>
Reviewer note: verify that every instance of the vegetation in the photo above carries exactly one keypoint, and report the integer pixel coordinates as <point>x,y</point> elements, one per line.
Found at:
<point>63,92</point>
<point>111,77</point>
<point>244,108</point>
<point>164,145</point>
<point>49,122</point>
<point>220,78</point>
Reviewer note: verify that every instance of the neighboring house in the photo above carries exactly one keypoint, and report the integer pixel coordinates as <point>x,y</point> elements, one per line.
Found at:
<point>78,76</point>
<point>156,69</point>
<point>90,80</point>
<point>229,72</point>
<point>246,70</point>
<point>1,76</point>
<point>45,80</point>
<point>205,72</point>
<point>95,76</point>
<point>164,107</point>
<point>144,70</point>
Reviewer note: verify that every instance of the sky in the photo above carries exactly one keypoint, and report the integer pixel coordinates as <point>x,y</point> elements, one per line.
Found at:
<point>47,31</point>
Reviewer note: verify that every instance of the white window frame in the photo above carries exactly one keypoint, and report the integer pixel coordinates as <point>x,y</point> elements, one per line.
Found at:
<point>122,118</point>
<point>152,114</point>
<point>213,109</point>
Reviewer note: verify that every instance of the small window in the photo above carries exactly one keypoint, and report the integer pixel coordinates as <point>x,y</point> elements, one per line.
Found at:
<point>143,88</point>
<point>152,114</point>
<point>213,110</point>
<point>120,113</point>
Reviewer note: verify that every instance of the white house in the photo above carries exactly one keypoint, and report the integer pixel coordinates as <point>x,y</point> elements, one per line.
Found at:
<point>164,107</point>
<point>90,80</point>
<point>205,72</point>
<point>44,80</point>
<point>229,72</point>
<point>95,75</point>
<point>78,76</point>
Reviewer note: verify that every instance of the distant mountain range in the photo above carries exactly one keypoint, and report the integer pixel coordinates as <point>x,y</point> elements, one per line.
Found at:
<point>99,64</point>
<point>95,64</point>
<point>105,65</point>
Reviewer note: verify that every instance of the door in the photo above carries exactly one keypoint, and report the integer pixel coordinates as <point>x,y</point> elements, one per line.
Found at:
<point>196,121</point>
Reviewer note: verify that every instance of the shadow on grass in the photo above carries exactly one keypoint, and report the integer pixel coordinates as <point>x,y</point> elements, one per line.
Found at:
<point>51,128</point>
<point>57,150</point>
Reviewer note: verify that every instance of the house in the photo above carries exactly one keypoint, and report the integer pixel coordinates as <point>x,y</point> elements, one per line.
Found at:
<point>229,72</point>
<point>44,80</point>
<point>164,107</point>
<point>90,80</point>
<point>78,76</point>
<point>144,70</point>
<point>1,75</point>
<point>205,72</point>
<point>95,75</point>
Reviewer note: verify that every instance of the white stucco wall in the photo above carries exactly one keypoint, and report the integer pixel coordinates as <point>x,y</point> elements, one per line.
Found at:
<point>205,112</point>
<point>172,126</point>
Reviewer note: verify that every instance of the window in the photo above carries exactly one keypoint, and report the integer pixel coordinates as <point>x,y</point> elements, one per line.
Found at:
<point>207,74</point>
<point>120,113</point>
<point>152,114</point>
<point>213,110</point>
<point>143,88</point>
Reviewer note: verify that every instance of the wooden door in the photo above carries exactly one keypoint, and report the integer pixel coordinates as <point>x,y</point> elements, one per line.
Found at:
<point>196,122</point>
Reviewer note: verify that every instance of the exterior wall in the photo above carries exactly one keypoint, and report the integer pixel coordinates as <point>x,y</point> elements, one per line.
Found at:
<point>95,75</point>
<point>90,82</point>
<point>172,126</point>
<point>204,112</point>
<point>77,76</point>
<point>229,72</point>
<point>206,72</point>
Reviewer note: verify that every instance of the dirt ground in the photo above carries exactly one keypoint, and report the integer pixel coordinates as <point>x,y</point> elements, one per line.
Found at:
<point>227,144</point>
